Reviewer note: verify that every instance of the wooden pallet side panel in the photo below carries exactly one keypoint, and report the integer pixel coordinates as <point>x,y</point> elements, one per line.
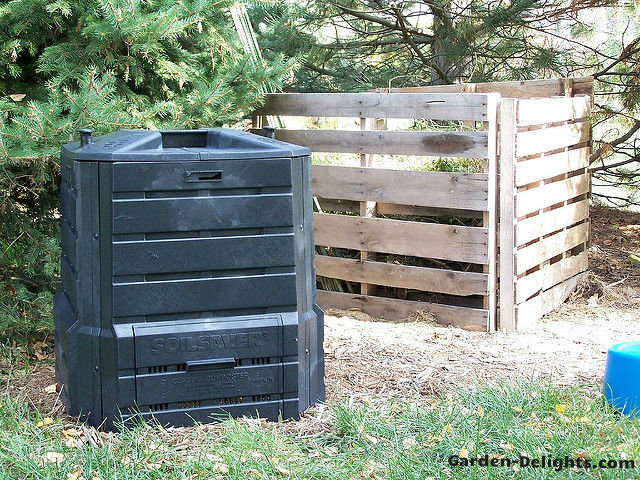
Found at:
<point>551,204</point>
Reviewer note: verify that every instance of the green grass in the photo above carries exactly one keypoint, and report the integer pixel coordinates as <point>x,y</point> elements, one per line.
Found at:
<point>396,441</point>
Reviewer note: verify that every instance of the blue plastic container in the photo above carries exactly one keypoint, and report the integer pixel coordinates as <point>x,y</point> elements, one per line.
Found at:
<point>622,378</point>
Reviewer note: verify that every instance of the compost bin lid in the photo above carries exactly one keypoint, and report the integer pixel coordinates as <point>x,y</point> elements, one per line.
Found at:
<point>185,145</point>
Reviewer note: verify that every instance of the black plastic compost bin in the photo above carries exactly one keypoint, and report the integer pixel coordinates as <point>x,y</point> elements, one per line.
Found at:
<point>188,283</point>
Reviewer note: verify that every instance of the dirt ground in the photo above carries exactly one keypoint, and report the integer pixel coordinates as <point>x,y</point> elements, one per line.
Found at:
<point>368,360</point>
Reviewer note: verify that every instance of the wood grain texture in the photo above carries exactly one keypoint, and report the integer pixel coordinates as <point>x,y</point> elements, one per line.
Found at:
<point>550,275</point>
<point>529,312</point>
<point>544,196</point>
<point>396,209</point>
<point>418,239</point>
<point>537,169</point>
<point>377,105</point>
<point>465,191</point>
<point>511,89</point>
<point>507,320</point>
<point>549,110</point>
<point>544,223</point>
<point>402,276</point>
<point>552,138</point>
<point>490,220</point>
<point>547,248</point>
<point>393,309</point>
<point>449,144</point>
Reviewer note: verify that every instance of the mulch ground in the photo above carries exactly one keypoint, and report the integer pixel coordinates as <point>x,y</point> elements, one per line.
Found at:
<point>615,235</point>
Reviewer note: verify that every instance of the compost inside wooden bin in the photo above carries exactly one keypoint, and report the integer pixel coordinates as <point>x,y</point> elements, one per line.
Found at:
<point>339,285</point>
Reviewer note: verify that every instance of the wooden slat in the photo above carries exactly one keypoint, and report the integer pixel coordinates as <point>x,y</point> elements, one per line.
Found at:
<point>553,138</point>
<point>467,191</point>
<point>490,219</point>
<point>427,240</point>
<point>377,105</point>
<point>547,222</point>
<point>529,312</point>
<point>402,276</point>
<point>449,144</point>
<point>394,309</point>
<point>512,89</point>
<point>393,209</point>
<point>538,111</point>
<point>507,320</point>
<point>537,169</point>
<point>549,247</point>
<point>550,275</point>
<point>546,195</point>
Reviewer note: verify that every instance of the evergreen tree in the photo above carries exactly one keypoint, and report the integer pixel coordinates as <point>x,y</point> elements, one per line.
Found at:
<point>108,65</point>
<point>360,44</point>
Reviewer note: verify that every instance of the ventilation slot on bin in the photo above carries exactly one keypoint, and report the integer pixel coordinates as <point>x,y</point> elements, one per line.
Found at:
<point>260,398</point>
<point>180,367</point>
<point>230,400</point>
<point>191,404</point>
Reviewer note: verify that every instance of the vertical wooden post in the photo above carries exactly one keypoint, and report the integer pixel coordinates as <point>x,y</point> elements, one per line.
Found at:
<point>490,218</point>
<point>508,130</point>
<point>367,208</point>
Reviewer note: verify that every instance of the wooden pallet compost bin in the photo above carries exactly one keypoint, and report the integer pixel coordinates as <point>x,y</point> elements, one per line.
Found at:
<point>496,248</point>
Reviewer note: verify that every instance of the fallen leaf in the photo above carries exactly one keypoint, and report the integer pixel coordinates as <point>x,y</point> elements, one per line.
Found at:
<point>71,443</point>
<point>125,460</point>
<point>17,97</point>
<point>53,457</point>
<point>561,408</point>
<point>12,290</point>
<point>583,419</point>
<point>480,411</point>
<point>46,421</point>
<point>464,453</point>
<point>282,470</point>
<point>71,432</point>
<point>75,475</point>
<point>448,428</point>
<point>220,467</point>
<point>508,446</point>
<point>51,388</point>
<point>517,409</point>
